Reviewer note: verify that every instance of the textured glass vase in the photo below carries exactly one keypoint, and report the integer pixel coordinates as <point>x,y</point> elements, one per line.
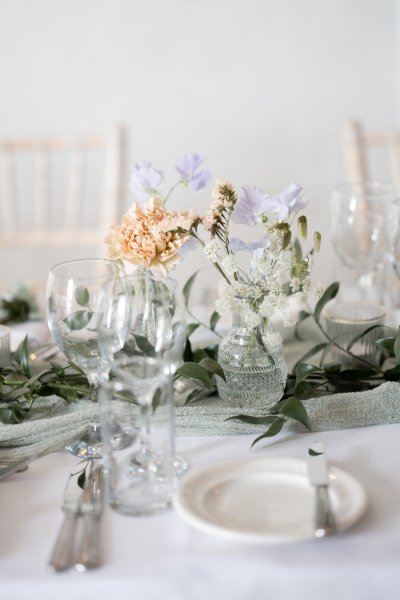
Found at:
<point>255,372</point>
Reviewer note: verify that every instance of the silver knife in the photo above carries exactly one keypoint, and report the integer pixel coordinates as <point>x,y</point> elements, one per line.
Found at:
<point>89,554</point>
<point>62,555</point>
<point>319,477</point>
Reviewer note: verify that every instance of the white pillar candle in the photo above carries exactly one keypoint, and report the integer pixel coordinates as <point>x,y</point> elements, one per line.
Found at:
<point>5,356</point>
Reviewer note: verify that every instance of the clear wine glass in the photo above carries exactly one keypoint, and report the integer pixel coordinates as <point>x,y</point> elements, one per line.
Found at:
<point>360,214</point>
<point>158,328</point>
<point>76,308</point>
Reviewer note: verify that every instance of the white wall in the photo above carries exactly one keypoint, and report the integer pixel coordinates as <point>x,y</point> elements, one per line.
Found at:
<point>262,88</point>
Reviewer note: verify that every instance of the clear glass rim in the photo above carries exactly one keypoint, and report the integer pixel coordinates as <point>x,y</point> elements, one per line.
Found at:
<point>367,189</point>
<point>55,268</point>
<point>381,312</point>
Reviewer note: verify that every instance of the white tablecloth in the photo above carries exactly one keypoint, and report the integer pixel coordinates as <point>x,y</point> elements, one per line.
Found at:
<point>161,557</point>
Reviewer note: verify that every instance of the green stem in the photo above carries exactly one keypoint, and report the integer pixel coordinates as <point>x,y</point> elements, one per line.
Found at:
<point>216,265</point>
<point>63,386</point>
<point>171,190</point>
<point>203,324</point>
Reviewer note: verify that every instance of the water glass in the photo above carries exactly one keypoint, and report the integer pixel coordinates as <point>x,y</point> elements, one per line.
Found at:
<point>345,321</point>
<point>134,398</point>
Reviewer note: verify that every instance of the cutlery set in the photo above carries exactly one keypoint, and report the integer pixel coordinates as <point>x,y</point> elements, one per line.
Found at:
<point>78,542</point>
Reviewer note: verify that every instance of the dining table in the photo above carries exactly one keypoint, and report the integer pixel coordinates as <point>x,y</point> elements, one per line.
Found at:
<point>162,556</point>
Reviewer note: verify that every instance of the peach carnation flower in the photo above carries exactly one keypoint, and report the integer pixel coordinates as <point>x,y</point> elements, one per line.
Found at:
<point>146,236</point>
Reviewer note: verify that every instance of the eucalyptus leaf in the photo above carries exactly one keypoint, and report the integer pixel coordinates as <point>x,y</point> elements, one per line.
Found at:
<point>272,430</point>
<point>144,345</point>
<point>78,320</point>
<point>387,344</point>
<point>294,409</point>
<point>213,367</point>
<point>192,370</point>
<point>255,420</point>
<point>199,355</point>
<point>303,370</point>
<point>215,317</point>
<point>82,295</point>
<point>188,287</point>
<point>328,295</point>
<point>191,328</point>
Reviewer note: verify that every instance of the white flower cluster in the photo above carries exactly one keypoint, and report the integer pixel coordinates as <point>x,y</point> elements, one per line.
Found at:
<point>276,266</point>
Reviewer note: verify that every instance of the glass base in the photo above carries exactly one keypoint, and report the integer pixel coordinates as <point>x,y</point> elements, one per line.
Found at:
<point>89,445</point>
<point>142,499</point>
<point>140,465</point>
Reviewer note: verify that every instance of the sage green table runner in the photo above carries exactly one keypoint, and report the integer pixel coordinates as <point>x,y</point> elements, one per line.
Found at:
<point>53,423</point>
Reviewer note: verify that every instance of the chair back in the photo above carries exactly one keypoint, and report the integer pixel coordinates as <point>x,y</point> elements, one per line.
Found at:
<point>60,191</point>
<point>365,152</point>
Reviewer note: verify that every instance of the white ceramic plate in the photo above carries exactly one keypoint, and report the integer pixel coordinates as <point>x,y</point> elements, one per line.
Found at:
<point>267,500</point>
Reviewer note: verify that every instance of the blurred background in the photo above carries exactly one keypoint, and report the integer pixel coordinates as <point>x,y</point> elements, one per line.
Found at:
<point>262,88</point>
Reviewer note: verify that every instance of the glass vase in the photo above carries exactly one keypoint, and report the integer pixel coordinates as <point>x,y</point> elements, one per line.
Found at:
<point>255,371</point>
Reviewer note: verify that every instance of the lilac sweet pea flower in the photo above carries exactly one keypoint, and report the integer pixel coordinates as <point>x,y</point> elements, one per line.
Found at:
<point>286,202</point>
<point>255,247</point>
<point>250,206</point>
<point>145,180</point>
<point>238,245</point>
<point>187,168</point>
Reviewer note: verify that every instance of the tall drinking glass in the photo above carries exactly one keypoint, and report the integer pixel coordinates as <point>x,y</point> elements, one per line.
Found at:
<point>140,478</point>
<point>77,307</point>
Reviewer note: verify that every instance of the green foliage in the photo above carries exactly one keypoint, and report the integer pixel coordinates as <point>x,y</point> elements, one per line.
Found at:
<point>82,296</point>
<point>215,317</point>
<point>328,295</point>
<point>192,370</point>
<point>78,320</point>
<point>188,287</point>
<point>19,388</point>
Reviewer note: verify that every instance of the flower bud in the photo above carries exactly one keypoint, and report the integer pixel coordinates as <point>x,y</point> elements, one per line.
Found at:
<point>317,241</point>
<point>302,227</point>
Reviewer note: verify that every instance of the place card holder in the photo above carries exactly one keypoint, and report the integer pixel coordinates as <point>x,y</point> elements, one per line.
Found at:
<point>5,354</point>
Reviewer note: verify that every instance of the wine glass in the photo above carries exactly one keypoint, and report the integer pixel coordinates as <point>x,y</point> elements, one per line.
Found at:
<point>158,328</point>
<point>76,308</point>
<point>360,214</point>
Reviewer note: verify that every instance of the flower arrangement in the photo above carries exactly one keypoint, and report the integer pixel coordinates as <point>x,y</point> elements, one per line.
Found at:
<point>276,268</point>
<point>153,236</point>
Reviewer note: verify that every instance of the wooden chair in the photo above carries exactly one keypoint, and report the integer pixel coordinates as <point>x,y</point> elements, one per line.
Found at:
<point>366,152</point>
<point>46,205</point>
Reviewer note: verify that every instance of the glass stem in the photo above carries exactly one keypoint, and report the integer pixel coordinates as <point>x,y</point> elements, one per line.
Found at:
<point>93,383</point>
<point>145,445</point>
